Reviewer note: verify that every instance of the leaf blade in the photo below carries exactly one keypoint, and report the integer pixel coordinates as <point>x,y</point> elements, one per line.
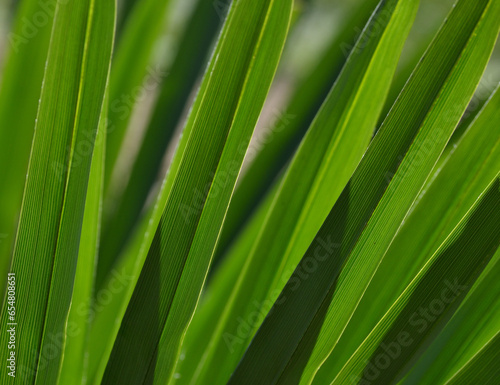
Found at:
<point>323,164</point>
<point>349,231</point>
<point>453,268</point>
<point>53,203</point>
<point>453,189</point>
<point>239,104</point>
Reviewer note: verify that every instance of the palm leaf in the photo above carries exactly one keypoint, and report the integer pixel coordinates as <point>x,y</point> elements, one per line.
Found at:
<point>189,227</point>
<point>47,240</point>
<point>19,94</point>
<point>160,224</point>
<point>473,327</point>
<point>175,91</point>
<point>290,126</point>
<point>482,367</point>
<point>130,67</point>
<point>363,222</point>
<point>431,297</point>
<point>330,152</point>
<point>75,360</point>
<point>453,189</point>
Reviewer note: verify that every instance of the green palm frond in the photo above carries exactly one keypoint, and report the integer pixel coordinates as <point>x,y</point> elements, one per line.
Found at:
<point>275,192</point>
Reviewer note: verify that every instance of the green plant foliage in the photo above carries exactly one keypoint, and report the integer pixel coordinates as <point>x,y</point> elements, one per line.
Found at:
<point>194,46</point>
<point>380,194</point>
<point>440,207</point>
<point>291,124</point>
<point>194,207</point>
<point>48,236</point>
<point>19,93</point>
<point>328,155</point>
<point>232,192</point>
<point>74,366</point>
